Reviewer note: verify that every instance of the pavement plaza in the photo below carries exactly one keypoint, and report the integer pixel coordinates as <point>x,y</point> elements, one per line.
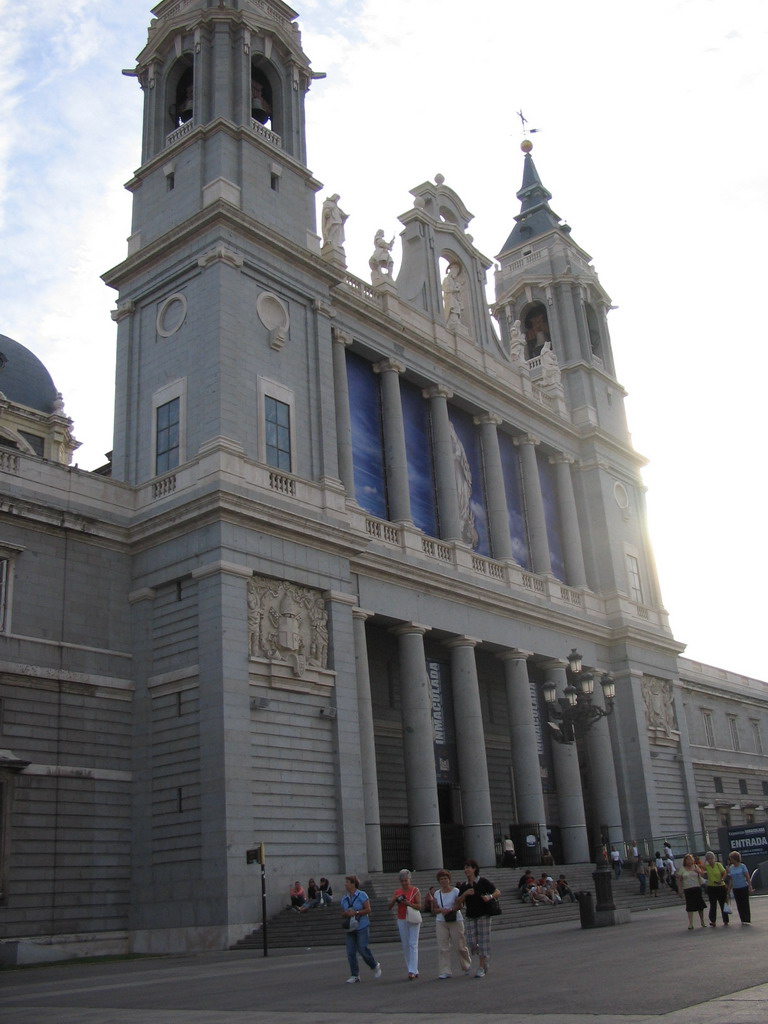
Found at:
<point>652,970</point>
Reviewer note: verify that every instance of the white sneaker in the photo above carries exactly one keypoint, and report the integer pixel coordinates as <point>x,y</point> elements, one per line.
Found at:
<point>352,980</point>
<point>377,971</point>
<point>479,973</point>
<point>442,977</point>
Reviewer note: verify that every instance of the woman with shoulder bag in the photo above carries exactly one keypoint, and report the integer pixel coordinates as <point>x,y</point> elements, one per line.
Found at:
<point>716,888</point>
<point>407,898</point>
<point>449,927</point>
<point>689,888</point>
<point>355,917</point>
<point>480,898</point>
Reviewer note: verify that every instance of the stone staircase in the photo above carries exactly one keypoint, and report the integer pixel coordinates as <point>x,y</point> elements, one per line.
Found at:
<point>322,927</point>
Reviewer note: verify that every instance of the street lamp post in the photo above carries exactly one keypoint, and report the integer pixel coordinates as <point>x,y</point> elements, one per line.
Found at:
<point>573,715</point>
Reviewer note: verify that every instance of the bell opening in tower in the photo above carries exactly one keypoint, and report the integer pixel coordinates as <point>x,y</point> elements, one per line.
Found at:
<point>261,97</point>
<point>536,329</point>
<point>182,110</point>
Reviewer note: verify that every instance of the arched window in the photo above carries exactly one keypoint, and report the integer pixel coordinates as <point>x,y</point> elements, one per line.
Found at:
<point>593,330</point>
<point>181,83</point>
<point>261,97</point>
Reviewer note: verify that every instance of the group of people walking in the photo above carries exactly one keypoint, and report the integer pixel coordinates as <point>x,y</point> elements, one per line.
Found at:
<point>463,912</point>
<point>720,882</point>
<point>462,921</point>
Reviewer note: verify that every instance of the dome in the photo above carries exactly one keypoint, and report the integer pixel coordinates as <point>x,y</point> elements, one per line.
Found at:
<point>23,378</point>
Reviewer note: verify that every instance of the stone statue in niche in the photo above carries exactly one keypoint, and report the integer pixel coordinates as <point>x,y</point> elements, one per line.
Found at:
<point>287,623</point>
<point>333,222</point>
<point>659,707</point>
<point>381,262</point>
<point>550,369</point>
<point>453,305</point>
<point>516,343</point>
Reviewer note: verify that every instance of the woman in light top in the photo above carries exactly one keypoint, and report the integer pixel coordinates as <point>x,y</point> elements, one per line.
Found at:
<point>689,888</point>
<point>740,884</point>
<point>449,927</point>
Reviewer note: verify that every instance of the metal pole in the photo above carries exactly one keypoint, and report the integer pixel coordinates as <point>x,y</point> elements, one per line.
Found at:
<point>264,907</point>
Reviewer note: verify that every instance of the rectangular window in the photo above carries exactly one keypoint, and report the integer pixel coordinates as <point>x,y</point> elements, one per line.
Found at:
<point>277,422</point>
<point>635,584</point>
<point>167,436</point>
<point>718,784</point>
<point>734,728</point>
<point>765,787</point>
<point>743,787</point>
<point>709,728</point>
<point>277,430</point>
<point>757,738</point>
<point>36,442</point>
<point>724,818</point>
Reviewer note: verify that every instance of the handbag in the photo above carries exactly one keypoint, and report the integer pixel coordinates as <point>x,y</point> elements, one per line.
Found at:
<point>412,915</point>
<point>493,908</point>
<point>448,915</point>
<point>727,907</point>
<point>351,924</point>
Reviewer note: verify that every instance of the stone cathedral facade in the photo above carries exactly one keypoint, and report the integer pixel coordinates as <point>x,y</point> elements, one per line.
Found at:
<point>349,533</point>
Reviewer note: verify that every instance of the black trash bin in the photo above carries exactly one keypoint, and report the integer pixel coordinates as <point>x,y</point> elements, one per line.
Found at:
<point>586,909</point>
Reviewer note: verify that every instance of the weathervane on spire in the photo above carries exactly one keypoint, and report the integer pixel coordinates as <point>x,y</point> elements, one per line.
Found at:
<point>526,145</point>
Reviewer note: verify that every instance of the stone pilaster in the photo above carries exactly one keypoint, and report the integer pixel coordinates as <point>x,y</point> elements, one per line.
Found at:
<point>395,458</point>
<point>367,743</point>
<point>498,514</point>
<point>604,791</point>
<point>445,471</point>
<point>470,740</point>
<point>529,795</point>
<point>575,572</point>
<point>570,798</point>
<point>419,748</point>
<point>537,525</point>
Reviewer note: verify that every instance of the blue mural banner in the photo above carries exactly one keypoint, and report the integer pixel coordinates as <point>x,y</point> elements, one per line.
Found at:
<point>468,466</point>
<point>513,486</point>
<point>552,516</point>
<point>367,436</point>
<point>418,446</point>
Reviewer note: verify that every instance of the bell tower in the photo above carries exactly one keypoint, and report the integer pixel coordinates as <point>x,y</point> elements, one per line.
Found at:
<point>548,291</point>
<point>222,195</point>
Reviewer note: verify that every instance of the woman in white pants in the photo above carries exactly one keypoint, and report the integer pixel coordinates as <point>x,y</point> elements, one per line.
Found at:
<point>407,897</point>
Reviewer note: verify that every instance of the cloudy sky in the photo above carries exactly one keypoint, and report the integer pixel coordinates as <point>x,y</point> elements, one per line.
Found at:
<point>652,141</point>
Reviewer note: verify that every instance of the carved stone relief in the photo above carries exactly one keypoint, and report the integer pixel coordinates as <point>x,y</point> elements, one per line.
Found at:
<point>287,623</point>
<point>660,710</point>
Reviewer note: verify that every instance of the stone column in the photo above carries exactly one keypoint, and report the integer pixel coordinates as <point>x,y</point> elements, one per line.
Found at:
<point>367,743</point>
<point>604,791</point>
<point>470,742</point>
<point>524,741</point>
<point>343,419</point>
<point>575,573</point>
<point>537,525</point>
<point>496,495</point>
<point>570,799</point>
<point>445,470</point>
<point>419,748</point>
<point>394,441</point>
